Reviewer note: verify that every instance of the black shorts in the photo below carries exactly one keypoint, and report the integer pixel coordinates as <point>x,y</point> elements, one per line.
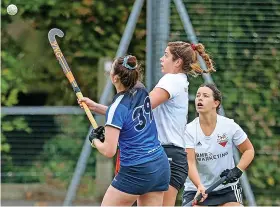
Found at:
<point>177,157</point>
<point>215,198</point>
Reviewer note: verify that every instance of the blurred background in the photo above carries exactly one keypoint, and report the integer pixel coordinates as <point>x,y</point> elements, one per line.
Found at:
<point>45,157</point>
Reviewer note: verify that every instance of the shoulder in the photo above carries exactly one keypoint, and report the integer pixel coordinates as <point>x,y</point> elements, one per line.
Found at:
<point>120,101</point>
<point>191,127</point>
<point>174,77</point>
<point>174,84</point>
<point>139,85</point>
<point>136,92</point>
<point>227,123</point>
<point>225,120</point>
<point>132,98</point>
<point>193,122</point>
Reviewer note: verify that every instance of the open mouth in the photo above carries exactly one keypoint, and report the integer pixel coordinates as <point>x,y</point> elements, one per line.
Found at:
<point>199,104</point>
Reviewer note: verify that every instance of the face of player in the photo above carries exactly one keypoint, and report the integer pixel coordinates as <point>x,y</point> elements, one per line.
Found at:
<point>167,63</point>
<point>204,101</point>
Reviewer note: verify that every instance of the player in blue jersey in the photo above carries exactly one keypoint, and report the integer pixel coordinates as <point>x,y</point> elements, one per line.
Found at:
<point>144,173</point>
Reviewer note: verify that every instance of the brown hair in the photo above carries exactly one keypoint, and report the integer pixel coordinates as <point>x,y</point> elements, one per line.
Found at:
<point>188,53</point>
<point>128,70</point>
<point>216,93</point>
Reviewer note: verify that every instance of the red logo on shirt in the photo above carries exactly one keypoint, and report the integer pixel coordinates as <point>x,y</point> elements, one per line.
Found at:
<point>222,140</point>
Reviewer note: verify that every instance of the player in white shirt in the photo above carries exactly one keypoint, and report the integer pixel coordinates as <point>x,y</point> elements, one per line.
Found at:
<point>169,100</point>
<point>210,139</point>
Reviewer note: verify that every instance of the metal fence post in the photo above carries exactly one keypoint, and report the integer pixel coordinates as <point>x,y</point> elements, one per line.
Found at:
<point>160,34</point>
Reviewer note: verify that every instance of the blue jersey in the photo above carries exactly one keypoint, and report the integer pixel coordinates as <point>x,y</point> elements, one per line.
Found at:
<point>131,113</point>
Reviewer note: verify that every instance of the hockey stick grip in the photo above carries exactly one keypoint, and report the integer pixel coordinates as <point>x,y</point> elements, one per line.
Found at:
<point>208,190</point>
<point>88,112</point>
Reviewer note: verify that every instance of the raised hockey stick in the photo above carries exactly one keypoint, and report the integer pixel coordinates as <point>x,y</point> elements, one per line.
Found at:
<point>51,35</point>
<point>208,190</point>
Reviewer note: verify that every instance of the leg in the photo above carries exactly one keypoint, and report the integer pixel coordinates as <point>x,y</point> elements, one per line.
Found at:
<point>114,197</point>
<point>179,173</point>
<point>232,204</point>
<point>169,198</point>
<point>150,199</point>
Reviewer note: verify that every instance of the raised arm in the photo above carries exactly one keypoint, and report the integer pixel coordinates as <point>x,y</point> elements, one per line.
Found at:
<point>158,96</point>
<point>93,106</point>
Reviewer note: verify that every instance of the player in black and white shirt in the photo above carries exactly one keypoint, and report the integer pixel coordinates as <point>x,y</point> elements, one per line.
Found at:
<point>210,139</point>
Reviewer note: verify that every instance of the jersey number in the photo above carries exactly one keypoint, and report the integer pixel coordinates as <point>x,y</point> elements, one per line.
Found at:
<point>142,113</point>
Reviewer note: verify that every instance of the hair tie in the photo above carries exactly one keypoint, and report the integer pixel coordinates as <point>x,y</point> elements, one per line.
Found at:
<point>193,47</point>
<point>126,65</point>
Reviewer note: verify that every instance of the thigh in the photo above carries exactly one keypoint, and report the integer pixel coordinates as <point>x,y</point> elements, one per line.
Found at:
<point>114,197</point>
<point>232,204</point>
<point>169,198</point>
<point>150,199</point>
<point>178,166</point>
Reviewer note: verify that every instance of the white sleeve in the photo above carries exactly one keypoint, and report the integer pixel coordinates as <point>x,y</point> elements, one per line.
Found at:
<point>168,83</point>
<point>239,136</point>
<point>189,139</point>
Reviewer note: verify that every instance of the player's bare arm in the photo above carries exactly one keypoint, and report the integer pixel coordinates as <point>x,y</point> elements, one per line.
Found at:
<point>109,147</point>
<point>248,153</point>
<point>193,173</point>
<point>158,96</point>
<point>93,106</point>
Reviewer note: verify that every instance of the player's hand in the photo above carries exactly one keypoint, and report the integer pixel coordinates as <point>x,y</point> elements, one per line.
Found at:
<point>231,175</point>
<point>98,133</point>
<point>200,190</point>
<point>90,103</point>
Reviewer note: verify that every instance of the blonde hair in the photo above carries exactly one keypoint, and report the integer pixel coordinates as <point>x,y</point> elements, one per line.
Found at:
<point>189,55</point>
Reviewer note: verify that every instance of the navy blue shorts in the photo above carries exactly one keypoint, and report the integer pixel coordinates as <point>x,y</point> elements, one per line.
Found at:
<point>148,177</point>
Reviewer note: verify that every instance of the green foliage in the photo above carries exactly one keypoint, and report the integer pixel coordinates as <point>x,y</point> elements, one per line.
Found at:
<point>57,161</point>
<point>16,124</point>
<point>59,157</point>
<point>87,38</point>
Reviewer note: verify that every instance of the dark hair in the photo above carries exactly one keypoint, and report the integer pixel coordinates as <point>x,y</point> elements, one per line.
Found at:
<point>188,53</point>
<point>216,93</point>
<point>128,70</point>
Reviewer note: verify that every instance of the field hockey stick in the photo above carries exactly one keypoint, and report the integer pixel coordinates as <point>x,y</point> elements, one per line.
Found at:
<point>51,35</point>
<point>208,190</point>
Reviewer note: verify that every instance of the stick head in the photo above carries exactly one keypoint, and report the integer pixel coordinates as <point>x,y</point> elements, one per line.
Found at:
<point>53,32</point>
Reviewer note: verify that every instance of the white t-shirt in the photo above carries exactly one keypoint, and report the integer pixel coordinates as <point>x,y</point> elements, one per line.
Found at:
<point>171,116</point>
<point>213,153</point>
